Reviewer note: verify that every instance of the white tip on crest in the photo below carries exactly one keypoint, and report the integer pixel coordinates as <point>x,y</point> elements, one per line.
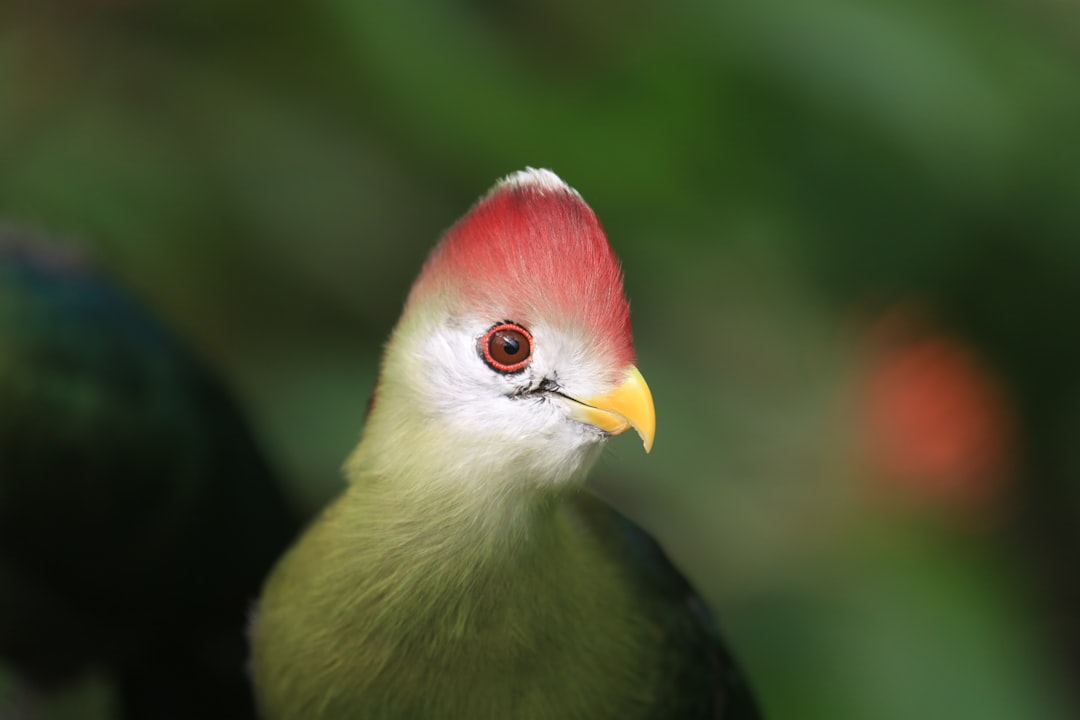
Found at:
<point>541,179</point>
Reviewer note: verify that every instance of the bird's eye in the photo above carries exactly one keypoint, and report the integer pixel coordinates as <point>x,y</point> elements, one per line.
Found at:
<point>507,347</point>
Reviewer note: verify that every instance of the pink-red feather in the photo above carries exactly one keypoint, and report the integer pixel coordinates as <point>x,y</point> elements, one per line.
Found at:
<point>533,250</point>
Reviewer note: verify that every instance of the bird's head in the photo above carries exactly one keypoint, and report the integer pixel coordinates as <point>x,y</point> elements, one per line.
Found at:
<point>514,355</point>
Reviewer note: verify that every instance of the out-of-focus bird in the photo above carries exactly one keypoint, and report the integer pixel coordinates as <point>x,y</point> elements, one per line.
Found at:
<point>466,571</point>
<point>138,517</point>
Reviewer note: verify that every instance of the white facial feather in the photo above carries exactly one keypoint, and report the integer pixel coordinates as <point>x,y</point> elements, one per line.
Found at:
<point>499,425</point>
<point>533,177</point>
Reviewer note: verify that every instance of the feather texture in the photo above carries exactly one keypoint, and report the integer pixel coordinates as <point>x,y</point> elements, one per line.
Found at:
<point>403,604</point>
<point>137,515</point>
<point>466,571</point>
<point>533,249</point>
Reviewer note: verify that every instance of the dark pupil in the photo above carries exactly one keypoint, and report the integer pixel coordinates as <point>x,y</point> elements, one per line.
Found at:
<point>508,349</point>
<point>510,346</point>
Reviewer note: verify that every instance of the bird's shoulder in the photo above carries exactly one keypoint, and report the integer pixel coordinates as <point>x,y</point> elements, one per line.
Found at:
<point>681,615</point>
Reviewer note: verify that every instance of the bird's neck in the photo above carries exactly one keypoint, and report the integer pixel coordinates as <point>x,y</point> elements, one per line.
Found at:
<point>470,524</point>
<point>460,495</point>
<point>439,586</point>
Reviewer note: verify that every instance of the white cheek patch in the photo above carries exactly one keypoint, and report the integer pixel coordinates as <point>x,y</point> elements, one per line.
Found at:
<point>571,363</point>
<point>488,412</point>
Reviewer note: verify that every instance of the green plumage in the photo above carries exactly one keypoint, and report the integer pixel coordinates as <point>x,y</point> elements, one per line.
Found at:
<point>137,515</point>
<point>571,613</point>
<point>466,571</point>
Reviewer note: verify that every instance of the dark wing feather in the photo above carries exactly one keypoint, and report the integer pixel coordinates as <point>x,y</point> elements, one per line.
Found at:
<point>707,683</point>
<point>136,510</point>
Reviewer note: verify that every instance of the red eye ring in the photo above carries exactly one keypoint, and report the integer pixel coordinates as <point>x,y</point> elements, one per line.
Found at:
<point>506,347</point>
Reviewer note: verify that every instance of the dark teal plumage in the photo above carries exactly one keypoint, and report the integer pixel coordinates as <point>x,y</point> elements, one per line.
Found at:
<point>710,686</point>
<point>137,515</point>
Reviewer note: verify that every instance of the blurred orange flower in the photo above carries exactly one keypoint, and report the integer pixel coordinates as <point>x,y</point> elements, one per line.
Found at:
<point>936,420</point>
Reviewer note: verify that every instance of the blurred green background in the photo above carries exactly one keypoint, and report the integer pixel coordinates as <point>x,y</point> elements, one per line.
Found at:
<point>851,235</point>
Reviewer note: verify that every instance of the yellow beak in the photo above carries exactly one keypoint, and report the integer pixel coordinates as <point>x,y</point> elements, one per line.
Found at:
<point>628,405</point>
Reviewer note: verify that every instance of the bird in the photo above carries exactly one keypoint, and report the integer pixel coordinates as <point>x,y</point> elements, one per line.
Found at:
<point>138,514</point>
<point>466,570</point>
